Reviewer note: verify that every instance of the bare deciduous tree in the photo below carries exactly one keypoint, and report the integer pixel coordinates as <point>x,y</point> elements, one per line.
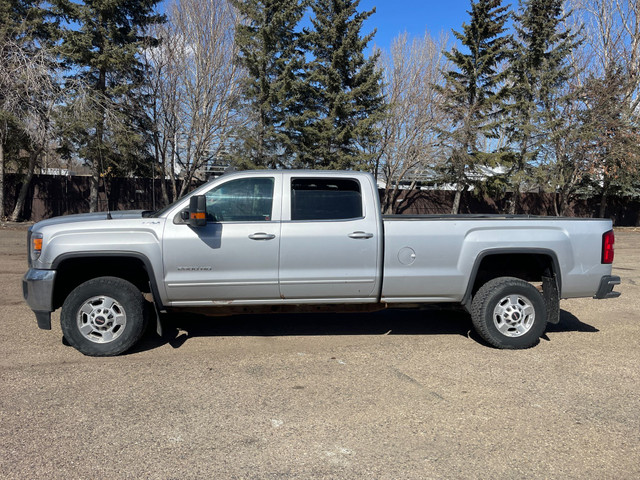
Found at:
<point>29,94</point>
<point>165,95</point>
<point>409,147</point>
<point>612,31</point>
<point>195,81</point>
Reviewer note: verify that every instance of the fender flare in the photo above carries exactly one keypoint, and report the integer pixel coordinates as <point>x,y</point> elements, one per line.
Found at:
<point>155,292</point>
<point>557,273</point>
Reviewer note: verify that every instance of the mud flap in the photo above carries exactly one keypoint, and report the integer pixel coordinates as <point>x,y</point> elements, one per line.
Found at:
<point>158,321</point>
<point>551,298</point>
<point>152,299</point>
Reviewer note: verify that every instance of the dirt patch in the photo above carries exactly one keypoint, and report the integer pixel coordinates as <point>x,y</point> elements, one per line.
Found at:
<point>402,394</point>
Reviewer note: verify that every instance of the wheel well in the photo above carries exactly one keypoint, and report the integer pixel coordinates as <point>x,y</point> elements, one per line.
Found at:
<point>530,267</point>
<point>72,272</point>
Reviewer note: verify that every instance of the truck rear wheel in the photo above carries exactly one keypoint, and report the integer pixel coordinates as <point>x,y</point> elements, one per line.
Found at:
<point>509,313</point>
<point>103,316</point>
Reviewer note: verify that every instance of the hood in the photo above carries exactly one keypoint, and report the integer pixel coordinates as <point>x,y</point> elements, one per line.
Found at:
<point>87,217</point>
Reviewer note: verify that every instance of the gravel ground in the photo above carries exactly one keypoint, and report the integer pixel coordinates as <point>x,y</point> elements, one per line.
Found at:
<point>392,395</point>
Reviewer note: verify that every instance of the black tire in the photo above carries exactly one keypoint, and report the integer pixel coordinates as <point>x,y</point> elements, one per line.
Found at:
<point>509,313</point>
<point>103,317</point>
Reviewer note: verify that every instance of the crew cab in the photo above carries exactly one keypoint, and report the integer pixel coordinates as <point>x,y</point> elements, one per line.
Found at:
<point>263,241</point>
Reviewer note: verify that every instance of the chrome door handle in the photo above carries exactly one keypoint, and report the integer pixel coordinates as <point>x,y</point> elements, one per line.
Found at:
<point>360,235</point>
<point>262,236</point>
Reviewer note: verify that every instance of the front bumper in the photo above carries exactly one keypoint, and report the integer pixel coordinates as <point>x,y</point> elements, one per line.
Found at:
<point>606,287</point>
<point>37,289</point>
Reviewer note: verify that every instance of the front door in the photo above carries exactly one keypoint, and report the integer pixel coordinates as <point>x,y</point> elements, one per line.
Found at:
<point>234,258</point>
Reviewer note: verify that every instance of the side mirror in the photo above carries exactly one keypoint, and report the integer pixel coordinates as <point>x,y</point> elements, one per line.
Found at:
<point>197,211</point>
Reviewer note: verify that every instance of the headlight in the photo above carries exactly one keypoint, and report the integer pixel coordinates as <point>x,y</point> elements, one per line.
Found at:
<point>36,246</point>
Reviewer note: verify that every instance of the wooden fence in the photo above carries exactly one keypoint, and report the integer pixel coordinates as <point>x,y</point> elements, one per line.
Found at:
<point>61,195</point>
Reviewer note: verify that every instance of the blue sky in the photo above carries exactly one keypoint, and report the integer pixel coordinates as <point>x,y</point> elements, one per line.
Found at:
<point>393,17</point>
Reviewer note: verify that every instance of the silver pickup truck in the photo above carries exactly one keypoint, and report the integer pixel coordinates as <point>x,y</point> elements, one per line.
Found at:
<point>263,241</point>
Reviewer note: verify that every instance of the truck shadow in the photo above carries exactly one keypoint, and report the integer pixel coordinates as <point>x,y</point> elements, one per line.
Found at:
<point>570,323</point>
<point>178,328</point>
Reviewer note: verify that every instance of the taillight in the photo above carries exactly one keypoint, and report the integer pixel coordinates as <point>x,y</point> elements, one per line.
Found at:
<point>608,240</point>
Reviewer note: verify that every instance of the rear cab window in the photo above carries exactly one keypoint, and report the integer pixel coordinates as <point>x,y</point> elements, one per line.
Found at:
<point>325,199</point>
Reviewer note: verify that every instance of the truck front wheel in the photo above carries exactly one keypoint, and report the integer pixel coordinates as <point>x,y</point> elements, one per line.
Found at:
<point>103,316</point>
<point>509,313</point>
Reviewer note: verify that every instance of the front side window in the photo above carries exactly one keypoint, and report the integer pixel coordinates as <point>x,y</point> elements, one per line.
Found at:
<point>325,199</point>
<point>242,200</point>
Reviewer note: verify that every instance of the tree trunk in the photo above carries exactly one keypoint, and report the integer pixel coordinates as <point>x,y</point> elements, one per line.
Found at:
<point>384,201</point>
<point>393,205</point>
<point>93,192</point>
<point>603,205</point>
<point>455,208</point>
<point>24,189</point>
<point>172,169</point>
<point>174,186</point>
<point>163,184</point>
<point>98,167</point>
<point>388,199</point>
<point>1,179</point>
<point>564,204</point>
<point>186,184</point>
<point>157,166</point>
<point>515,200</point>
<point>604,197</point>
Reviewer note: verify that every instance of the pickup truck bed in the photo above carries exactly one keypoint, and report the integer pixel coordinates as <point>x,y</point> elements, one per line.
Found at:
<point>445,250</point>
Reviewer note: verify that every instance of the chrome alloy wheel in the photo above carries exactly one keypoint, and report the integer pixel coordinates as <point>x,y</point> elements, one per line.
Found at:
<point>514,315</point>
<point>101,319</point>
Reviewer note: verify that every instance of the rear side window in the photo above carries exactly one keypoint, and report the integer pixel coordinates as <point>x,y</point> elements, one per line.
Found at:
<point>242,200</point>
<point>325,199</point>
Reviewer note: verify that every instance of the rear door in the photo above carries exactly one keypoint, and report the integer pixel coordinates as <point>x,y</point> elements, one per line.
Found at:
<point>329,242</point>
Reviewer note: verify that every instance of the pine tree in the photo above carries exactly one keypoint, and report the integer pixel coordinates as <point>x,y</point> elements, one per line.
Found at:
<point>538,70</point>
<point>269,46</point>
<point>104,119</point>
<point>344,100</point>
<point>473,92</point>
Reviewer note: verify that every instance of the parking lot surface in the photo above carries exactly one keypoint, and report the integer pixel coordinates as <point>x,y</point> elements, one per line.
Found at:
<point>391,395</point>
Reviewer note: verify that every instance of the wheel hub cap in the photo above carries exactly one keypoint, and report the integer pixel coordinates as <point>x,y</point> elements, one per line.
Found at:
<point>101,319</point>
<point>514,315</point>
